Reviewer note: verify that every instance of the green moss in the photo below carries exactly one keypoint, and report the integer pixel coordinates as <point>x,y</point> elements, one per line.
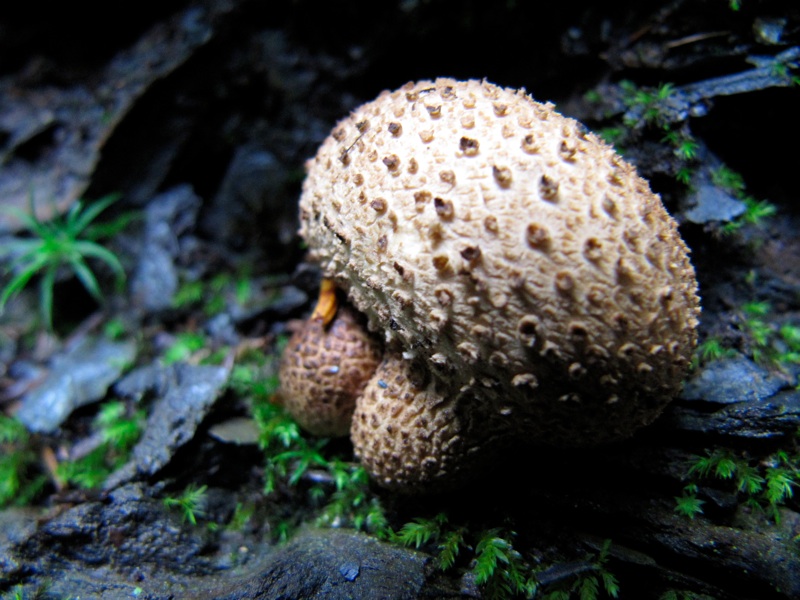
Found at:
<point>497,567</point>
<point>709,350</point>
<point>189,502</point>
<point>295,460</point>
<point>184,346</point>
<point>119,428</point>
<point>20,479</point>
<point>650,101</point>
<point>755,210</point>
<point>777,346</point>
<point>215,294</point>
<point>764,483</point>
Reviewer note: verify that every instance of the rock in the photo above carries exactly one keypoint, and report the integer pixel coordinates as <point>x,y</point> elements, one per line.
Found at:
<point>735,397</point>
<point>732,380</point>
<point>754,419</point>
<point>110,547</point>
<point>336,565</point>
<point>126,545</point>
<point>758,563</point>
<point>267,302</point>
<point>240,431</point>
<point>186,394</point>
<point>78,377</point>
<point>16,525</point>
<point>712,203</point>
<point>72,125</point>
<point>168,217</point>
<point>253,200</point>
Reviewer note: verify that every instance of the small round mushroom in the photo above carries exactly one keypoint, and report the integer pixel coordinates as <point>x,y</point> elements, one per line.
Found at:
<point>527,282</point>
<point>326,366</point>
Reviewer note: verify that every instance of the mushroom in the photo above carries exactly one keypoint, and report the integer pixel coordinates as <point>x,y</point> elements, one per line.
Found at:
<point>326,366</point>
<point>527,283</point>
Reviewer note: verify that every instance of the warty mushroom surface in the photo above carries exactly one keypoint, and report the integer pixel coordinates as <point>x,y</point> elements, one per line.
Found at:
<point>527,283</point>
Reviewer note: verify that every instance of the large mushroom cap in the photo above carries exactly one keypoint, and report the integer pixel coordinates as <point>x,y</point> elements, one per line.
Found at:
<point>509,252</point>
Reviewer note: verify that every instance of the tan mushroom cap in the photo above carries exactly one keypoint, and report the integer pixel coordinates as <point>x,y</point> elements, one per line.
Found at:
<point>324,370</point>
<point>517,267</point>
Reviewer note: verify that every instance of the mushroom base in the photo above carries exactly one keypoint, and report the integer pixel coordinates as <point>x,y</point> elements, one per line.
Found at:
<point>412,438</point>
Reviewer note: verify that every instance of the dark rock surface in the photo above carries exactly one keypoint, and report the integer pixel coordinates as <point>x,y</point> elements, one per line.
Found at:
<point>124,545</point>
<point>338,565</point>
<point>732,380</point>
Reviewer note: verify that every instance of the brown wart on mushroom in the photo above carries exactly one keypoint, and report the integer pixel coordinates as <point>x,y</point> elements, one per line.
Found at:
<point>571,304</point>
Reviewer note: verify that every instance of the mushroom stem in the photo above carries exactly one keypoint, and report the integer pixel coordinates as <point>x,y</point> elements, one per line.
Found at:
<point>327,304</point>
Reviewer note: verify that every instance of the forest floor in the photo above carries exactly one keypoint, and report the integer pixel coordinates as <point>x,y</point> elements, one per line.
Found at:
<point>140,453</point>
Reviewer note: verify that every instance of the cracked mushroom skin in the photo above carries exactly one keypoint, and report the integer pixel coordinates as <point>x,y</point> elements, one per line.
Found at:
<point>527,282</point>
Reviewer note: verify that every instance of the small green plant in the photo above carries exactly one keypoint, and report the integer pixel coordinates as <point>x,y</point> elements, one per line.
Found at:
<point>785,69</point>
<point>591,584</point>
<point>118,431</point>
<point>189,502</point>
<point>498,568</point>
<point>240,285</point>
<point>764,484</point>
<point>214,293</point>
<point>114,329</point>
<point>774,345</point>
<point>87,472</point>
<point>686,147</point>
<point>756,308</point>
<point>593,96</point>
<point>19,482</point>
<point>650,101</point>
<point>790,335</point>
<point>420,531</point>
<point>684,175</point>
<point>727,179</point>
<point>449,540</point>
<point>254,377</point>
<point>755,210</point>
<point>352,503</point>
<point>117,428</point>
<point>66,241</point>
<point>291,456</point>
<point>189,293</point>
<point>278,434</point>
<point>688,504</point>
<point>710,350</point>
<point>242,515</point>
<point>611,135</point>
<point>185,345</point>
